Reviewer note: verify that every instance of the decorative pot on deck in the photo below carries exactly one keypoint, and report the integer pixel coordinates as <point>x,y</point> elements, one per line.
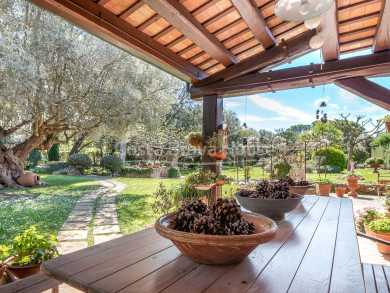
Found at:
<point>21,272</point>
<point>28,180</point>
<point>382,248</point>
<point>340,191</point>
<point>302,190</point>
<point>352,185</point>
<point>218,155</point>
<point>323,189</point>
<point>218,249</point>
<point>368,230</point>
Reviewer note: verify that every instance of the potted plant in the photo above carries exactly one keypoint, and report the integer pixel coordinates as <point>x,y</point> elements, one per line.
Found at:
<point>217,145</point>
<point>375,163</point>
<point>340,190</point>
<point>381,229</point>
<point>352,180</point>
<point>323,186</point>
<point>4,254</point>
<point>149,165</point>
<point>365,216</point>
<point>223,179</point>
<point>202,180</point>
<point>195,139</point>
<point>29,250</point>
<point>386,119</point>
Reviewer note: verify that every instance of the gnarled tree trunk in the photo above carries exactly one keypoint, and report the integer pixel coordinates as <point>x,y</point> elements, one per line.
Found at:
<point>11,167</point>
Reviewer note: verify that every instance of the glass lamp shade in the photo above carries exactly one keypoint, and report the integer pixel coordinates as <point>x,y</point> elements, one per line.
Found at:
<point>300,10</point>
<point>316,42</point>
<point>313,23</point>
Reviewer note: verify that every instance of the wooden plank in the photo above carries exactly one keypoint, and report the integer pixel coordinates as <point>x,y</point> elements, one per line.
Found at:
<point>165,31</point>
<point>357,31</point>
<point>347,274</point>
<point>354,50</point>
<point>303,76</point>
<point>369,278</point>
<point>255,22</point>
<point>219,16</point>
<point>284,264</point>
<point>162,278</point>
<point>329,29</point>
<point>236,35</point>
<point>357,5</point>
<point>149,22</point>
<point>359,18</point>
<point>131,9</point>
<point>241,276</point>
<point>106,25</point>
<point>380,279</point>
<point>178,16</point>
<point>134,271</point>
<point>382,37</point>
<point>315,270</point>
<point>294,47</point>
<point>36,283</point>
<point>204,7</point>
<point>356,41</point>
<point>227,27</point>
<point>367,89</point>
<point>185,50</point>
<point>386,270</point>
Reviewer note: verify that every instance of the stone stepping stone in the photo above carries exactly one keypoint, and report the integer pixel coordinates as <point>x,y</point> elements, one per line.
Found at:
<point>75,226</point>
<point>106,229</point>
<point>105,210</point>
<point>107,205</point>
<point>79,218</point>
<point>72,235</point>
<point>71,246</point>
<point>103,238</point>
<point>104,215</point>
<point>107,221</point>
<point>80,213</point>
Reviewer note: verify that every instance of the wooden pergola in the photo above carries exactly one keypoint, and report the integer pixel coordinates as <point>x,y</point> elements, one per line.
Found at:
<point>227,47</point>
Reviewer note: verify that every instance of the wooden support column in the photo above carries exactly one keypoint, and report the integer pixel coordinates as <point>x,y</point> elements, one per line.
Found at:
<point>212,119</point>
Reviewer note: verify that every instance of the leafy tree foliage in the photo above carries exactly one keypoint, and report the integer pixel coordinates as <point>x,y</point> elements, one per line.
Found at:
<point>335,157</point>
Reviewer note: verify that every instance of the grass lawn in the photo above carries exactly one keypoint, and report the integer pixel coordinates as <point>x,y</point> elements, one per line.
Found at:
<point>48,207</point>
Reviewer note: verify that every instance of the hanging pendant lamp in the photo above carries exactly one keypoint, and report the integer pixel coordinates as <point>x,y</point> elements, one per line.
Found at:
<point>300,10</point>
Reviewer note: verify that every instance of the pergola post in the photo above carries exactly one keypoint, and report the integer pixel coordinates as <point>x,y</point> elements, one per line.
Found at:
<point>212,120</point>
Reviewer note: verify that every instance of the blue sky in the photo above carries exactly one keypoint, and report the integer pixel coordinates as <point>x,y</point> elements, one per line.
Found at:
<point>298,106</point>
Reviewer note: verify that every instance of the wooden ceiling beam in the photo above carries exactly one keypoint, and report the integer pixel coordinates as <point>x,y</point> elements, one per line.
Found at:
<point>148,22</point>
<point>329,30</point>
<point>164,32</point>
<point>255,22</point>
<point>358,31</point>
<point>356,41</point>
<point>366,89</point>
<point>359,18</point>
<point>185,50</point>
<point>131,9</point>
<point>357,5</point>
<point>106,25</point>
<point>178,16</point>
<point>295,46</point>
<point>377,64</point>
<point>382,37</point>
<point>219,16</point>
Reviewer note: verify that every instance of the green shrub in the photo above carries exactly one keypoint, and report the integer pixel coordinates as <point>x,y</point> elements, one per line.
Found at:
<point>281,169</point>
<point>80,162</point>
<point>54,153</point>
<point>57,166</point>
<point>87,172</point>
<point>199,177</point>
<point>174,172</point>
<point>330,169</point>
<point>360,154</point>
<point>383,140</point>
<point>135,170</point>
<point>34,157</point>
<point>374,161</point>
<point>182,192</point>
<point>41,170</point>
<point>335,157</point>
<point>380,225</point>
<point>112,163</point>
<point>104,173</point>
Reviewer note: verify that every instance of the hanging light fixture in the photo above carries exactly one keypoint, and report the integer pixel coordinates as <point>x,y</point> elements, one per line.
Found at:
<point>300,10</point>
<point>312,23</point>
<point>316,42</point>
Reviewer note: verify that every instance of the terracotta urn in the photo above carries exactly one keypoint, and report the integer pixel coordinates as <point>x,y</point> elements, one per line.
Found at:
<point>375,166</point>
<point>382,248</point>
<point>352,185</point>
<point>28,180</point>
<point>323,189</point>
<point>218,155</point>
<point>340,191</point>
<point>388,126</point>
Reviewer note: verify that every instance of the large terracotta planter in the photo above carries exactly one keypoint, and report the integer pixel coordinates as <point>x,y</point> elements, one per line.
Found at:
<point>220,182</point>
<point>302,190</point>
<point>218,155</point>
<point>368,230</point>
<point>323,189</point>
<point>375,166</point>
<point>388,126</point>
<point>340,191</point>
<point>28,180</point>
<point>218,249</point>
<point>24,272</point>
<point>352,185</point>
<point>382,248</point>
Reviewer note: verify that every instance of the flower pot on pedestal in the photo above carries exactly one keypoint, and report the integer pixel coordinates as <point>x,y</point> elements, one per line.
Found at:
<point>352,185</point>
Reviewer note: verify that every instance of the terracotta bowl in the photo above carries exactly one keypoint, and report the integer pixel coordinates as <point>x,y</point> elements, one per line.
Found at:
<point>300,189</point>
<point>216,249</point>
<point>273,208</point>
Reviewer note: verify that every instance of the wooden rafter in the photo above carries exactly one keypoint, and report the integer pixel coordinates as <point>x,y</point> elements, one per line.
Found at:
<point>355,49</point>
<point>101,22</point>
<point>296,46</point>
<point>356,41</point>
<point>377,64</point>
<point>255,22</point>
<point>366,89</point>
<point>130,10</point>
<point>330,32</point>
<point>382,37</point>
<point>359,18</point>
<point>357,31</point>
<point>178,16</point>
<point>358,5</point>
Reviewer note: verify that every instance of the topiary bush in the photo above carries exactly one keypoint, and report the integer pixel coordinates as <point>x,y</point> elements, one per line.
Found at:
<point>374,161</point>
<point>174,172</point>
<point>281,169</point>
<point>112,163</point>
<point>335,157</point>
<point>34,157</point>
<point>54,153</point>
<point>57,166</point>
<point>80,162</point>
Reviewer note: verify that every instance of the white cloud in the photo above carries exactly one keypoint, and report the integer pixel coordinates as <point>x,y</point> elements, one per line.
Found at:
<point>347,96</point>
<point>326,99</point>
<point>336,106</point>
<point>285,111</point>
<point>232,104</point>
<point>253,118</point>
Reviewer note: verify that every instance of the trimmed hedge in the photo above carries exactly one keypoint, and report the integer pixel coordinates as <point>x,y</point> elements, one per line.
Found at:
<point>335,157</point>
<point>111,163</point>
<point>174,172</point>
<point>135,170</point>
<point>80,162</point>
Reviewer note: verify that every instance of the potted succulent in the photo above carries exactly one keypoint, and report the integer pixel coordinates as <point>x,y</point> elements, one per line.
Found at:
<point>217,145</point>
<point>202,180</point>
<point>381,229</point>
<point>195,139</point>
<point>29,250</point>
<point>323,186</point>
<point>4,254</point>
<point>364,217</point>
<point>375,163</point>
<point>386,119</point>
<point>223,179</point>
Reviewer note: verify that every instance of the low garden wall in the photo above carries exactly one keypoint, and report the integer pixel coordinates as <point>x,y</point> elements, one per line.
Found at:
<point>371,189</point>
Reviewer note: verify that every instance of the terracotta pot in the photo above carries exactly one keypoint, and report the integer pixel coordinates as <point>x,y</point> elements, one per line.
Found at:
<point>28,180</point>
<point>340,191</point>
<point>300,189</point>
<point>24,272</point>
<point>323,189</point>
<point>204,187</point>
<point>195,142</point>
<point>368,230</point>
<point>382,248</point>
<point>220,182</point>
<point>149,166</point>
<point>201,148</point>
<point>388,126</point>
<point>218,155</point>
<point>375,166</point>
<point>352,185</point>
<point>218,249</point>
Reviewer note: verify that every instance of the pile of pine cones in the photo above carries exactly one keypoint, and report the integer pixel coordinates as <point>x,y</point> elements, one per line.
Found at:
<point>291,182</point>
<point>269,190</point>
<point>223,218</point>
